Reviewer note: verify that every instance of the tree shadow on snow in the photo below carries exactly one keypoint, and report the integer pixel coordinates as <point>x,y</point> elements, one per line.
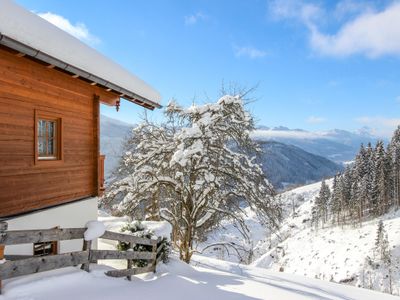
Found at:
<point>282,283</point>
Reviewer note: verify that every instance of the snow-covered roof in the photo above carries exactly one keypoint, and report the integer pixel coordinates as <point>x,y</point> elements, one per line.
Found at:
<point>44,41</point>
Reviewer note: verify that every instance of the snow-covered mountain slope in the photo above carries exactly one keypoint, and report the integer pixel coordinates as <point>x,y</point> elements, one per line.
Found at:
<point>112,135</point>
<point>286,165</point>
<point>332,253</point>
<point>337,145</point>
<point>205,279</point>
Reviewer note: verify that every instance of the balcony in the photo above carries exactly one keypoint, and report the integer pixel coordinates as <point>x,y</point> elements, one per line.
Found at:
<point>101,179</point>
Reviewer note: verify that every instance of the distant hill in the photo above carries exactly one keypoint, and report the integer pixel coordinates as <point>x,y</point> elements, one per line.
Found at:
<point>337,145</point>
<point>112,135</point>
<point>286,165</point>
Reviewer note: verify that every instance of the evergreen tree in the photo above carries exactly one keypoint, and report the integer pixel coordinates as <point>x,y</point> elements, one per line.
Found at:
<point>322,202</point>
<point>394,159</point>
<point>382,243</point>
<point>362,179</point>
<point>345,191</point>
<point>335,205</point>
<point>381,180</point>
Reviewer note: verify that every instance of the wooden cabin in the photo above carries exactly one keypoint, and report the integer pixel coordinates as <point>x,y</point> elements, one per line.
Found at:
<point>51,89</point>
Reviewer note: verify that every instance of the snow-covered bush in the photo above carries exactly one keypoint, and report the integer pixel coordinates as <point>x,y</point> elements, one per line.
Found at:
<point>138,229</point>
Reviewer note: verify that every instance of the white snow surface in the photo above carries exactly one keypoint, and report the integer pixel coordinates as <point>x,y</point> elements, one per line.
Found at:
<point>206,278</point>
<point>95,229</point>
<point>159,228</point>
<point>332,253</point>
<point>31,30</point>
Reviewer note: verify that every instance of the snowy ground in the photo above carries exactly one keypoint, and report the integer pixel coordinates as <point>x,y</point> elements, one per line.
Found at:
<point>333,253</point>
<point>206,279</point>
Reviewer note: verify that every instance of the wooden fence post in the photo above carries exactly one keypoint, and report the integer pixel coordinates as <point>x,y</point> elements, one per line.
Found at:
<point>129,262</point>
<point>86,247</point>
<point>155,256</point>
<point>3,228</point>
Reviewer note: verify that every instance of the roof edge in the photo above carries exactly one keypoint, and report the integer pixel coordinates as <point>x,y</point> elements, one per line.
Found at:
<point>50,60</point>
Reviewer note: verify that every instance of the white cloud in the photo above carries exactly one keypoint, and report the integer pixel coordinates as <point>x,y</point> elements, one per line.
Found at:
<point>315,120</point>
<point>78,30</point>
<point>294,134</point>
<point>369,32</point>
<point>294,9</point>
<point>346,8</point>
<point>398,99</point>
<point>249,51</point>
<point>381,126</point>
<point>372,34</point>
<point>193,19</point>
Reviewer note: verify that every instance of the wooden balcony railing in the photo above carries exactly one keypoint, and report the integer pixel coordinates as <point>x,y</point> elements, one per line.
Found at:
<point>101,174</point>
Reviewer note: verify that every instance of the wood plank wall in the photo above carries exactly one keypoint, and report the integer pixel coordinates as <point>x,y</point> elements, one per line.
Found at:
<point>26,86</point>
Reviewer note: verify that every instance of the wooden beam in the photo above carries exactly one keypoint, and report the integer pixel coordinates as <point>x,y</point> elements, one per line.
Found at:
<point>115,254</point>
<point>129,262</point>
<point>130,272</point>
<point>11,269</point>
<point>20,54</point>
<point>39,236</point>
<point>96,143</point>
<point>17,257</point>
<point>3,228</point>
<point>86,247</point>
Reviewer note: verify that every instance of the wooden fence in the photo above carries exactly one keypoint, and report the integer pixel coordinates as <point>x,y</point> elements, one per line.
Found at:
<point>19,265</point>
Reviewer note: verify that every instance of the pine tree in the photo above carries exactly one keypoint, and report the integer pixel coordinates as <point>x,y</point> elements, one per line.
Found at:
<point>381,179</point>
<point>315,218</point>
<point>335,204</point>
<point>322,202</point>
<point>394,158</point>
<point>345,194</point>
<point>362,180</point>
<point>382,243</point>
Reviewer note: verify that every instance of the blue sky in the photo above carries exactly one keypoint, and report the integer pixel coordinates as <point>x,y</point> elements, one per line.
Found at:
<point>318,64</point>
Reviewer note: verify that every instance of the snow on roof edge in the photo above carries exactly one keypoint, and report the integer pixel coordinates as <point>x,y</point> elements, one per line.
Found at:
<point>31,30</point>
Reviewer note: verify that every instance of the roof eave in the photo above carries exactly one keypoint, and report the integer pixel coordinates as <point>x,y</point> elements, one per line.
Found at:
<point>59,64</point>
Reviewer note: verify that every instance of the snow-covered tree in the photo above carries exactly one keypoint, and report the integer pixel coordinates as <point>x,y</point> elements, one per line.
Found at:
<point>334,204</point>
<point>370,186</point>
<point>322,203</point>
<point>195,170</point>
<point>382,243</point>
<point>394,161</point>
<point>381,180</point>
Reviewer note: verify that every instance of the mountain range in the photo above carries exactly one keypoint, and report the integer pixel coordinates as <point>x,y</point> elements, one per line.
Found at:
<point>290,156</point>
<point>337,145</point>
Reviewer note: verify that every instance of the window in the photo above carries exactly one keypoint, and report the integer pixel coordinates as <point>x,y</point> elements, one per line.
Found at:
<point>47,139</point>
<point>48,142</point>
<point>45,248</point>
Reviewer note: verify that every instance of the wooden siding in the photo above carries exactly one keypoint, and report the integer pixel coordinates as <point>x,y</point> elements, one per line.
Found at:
<point>26,86</point>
